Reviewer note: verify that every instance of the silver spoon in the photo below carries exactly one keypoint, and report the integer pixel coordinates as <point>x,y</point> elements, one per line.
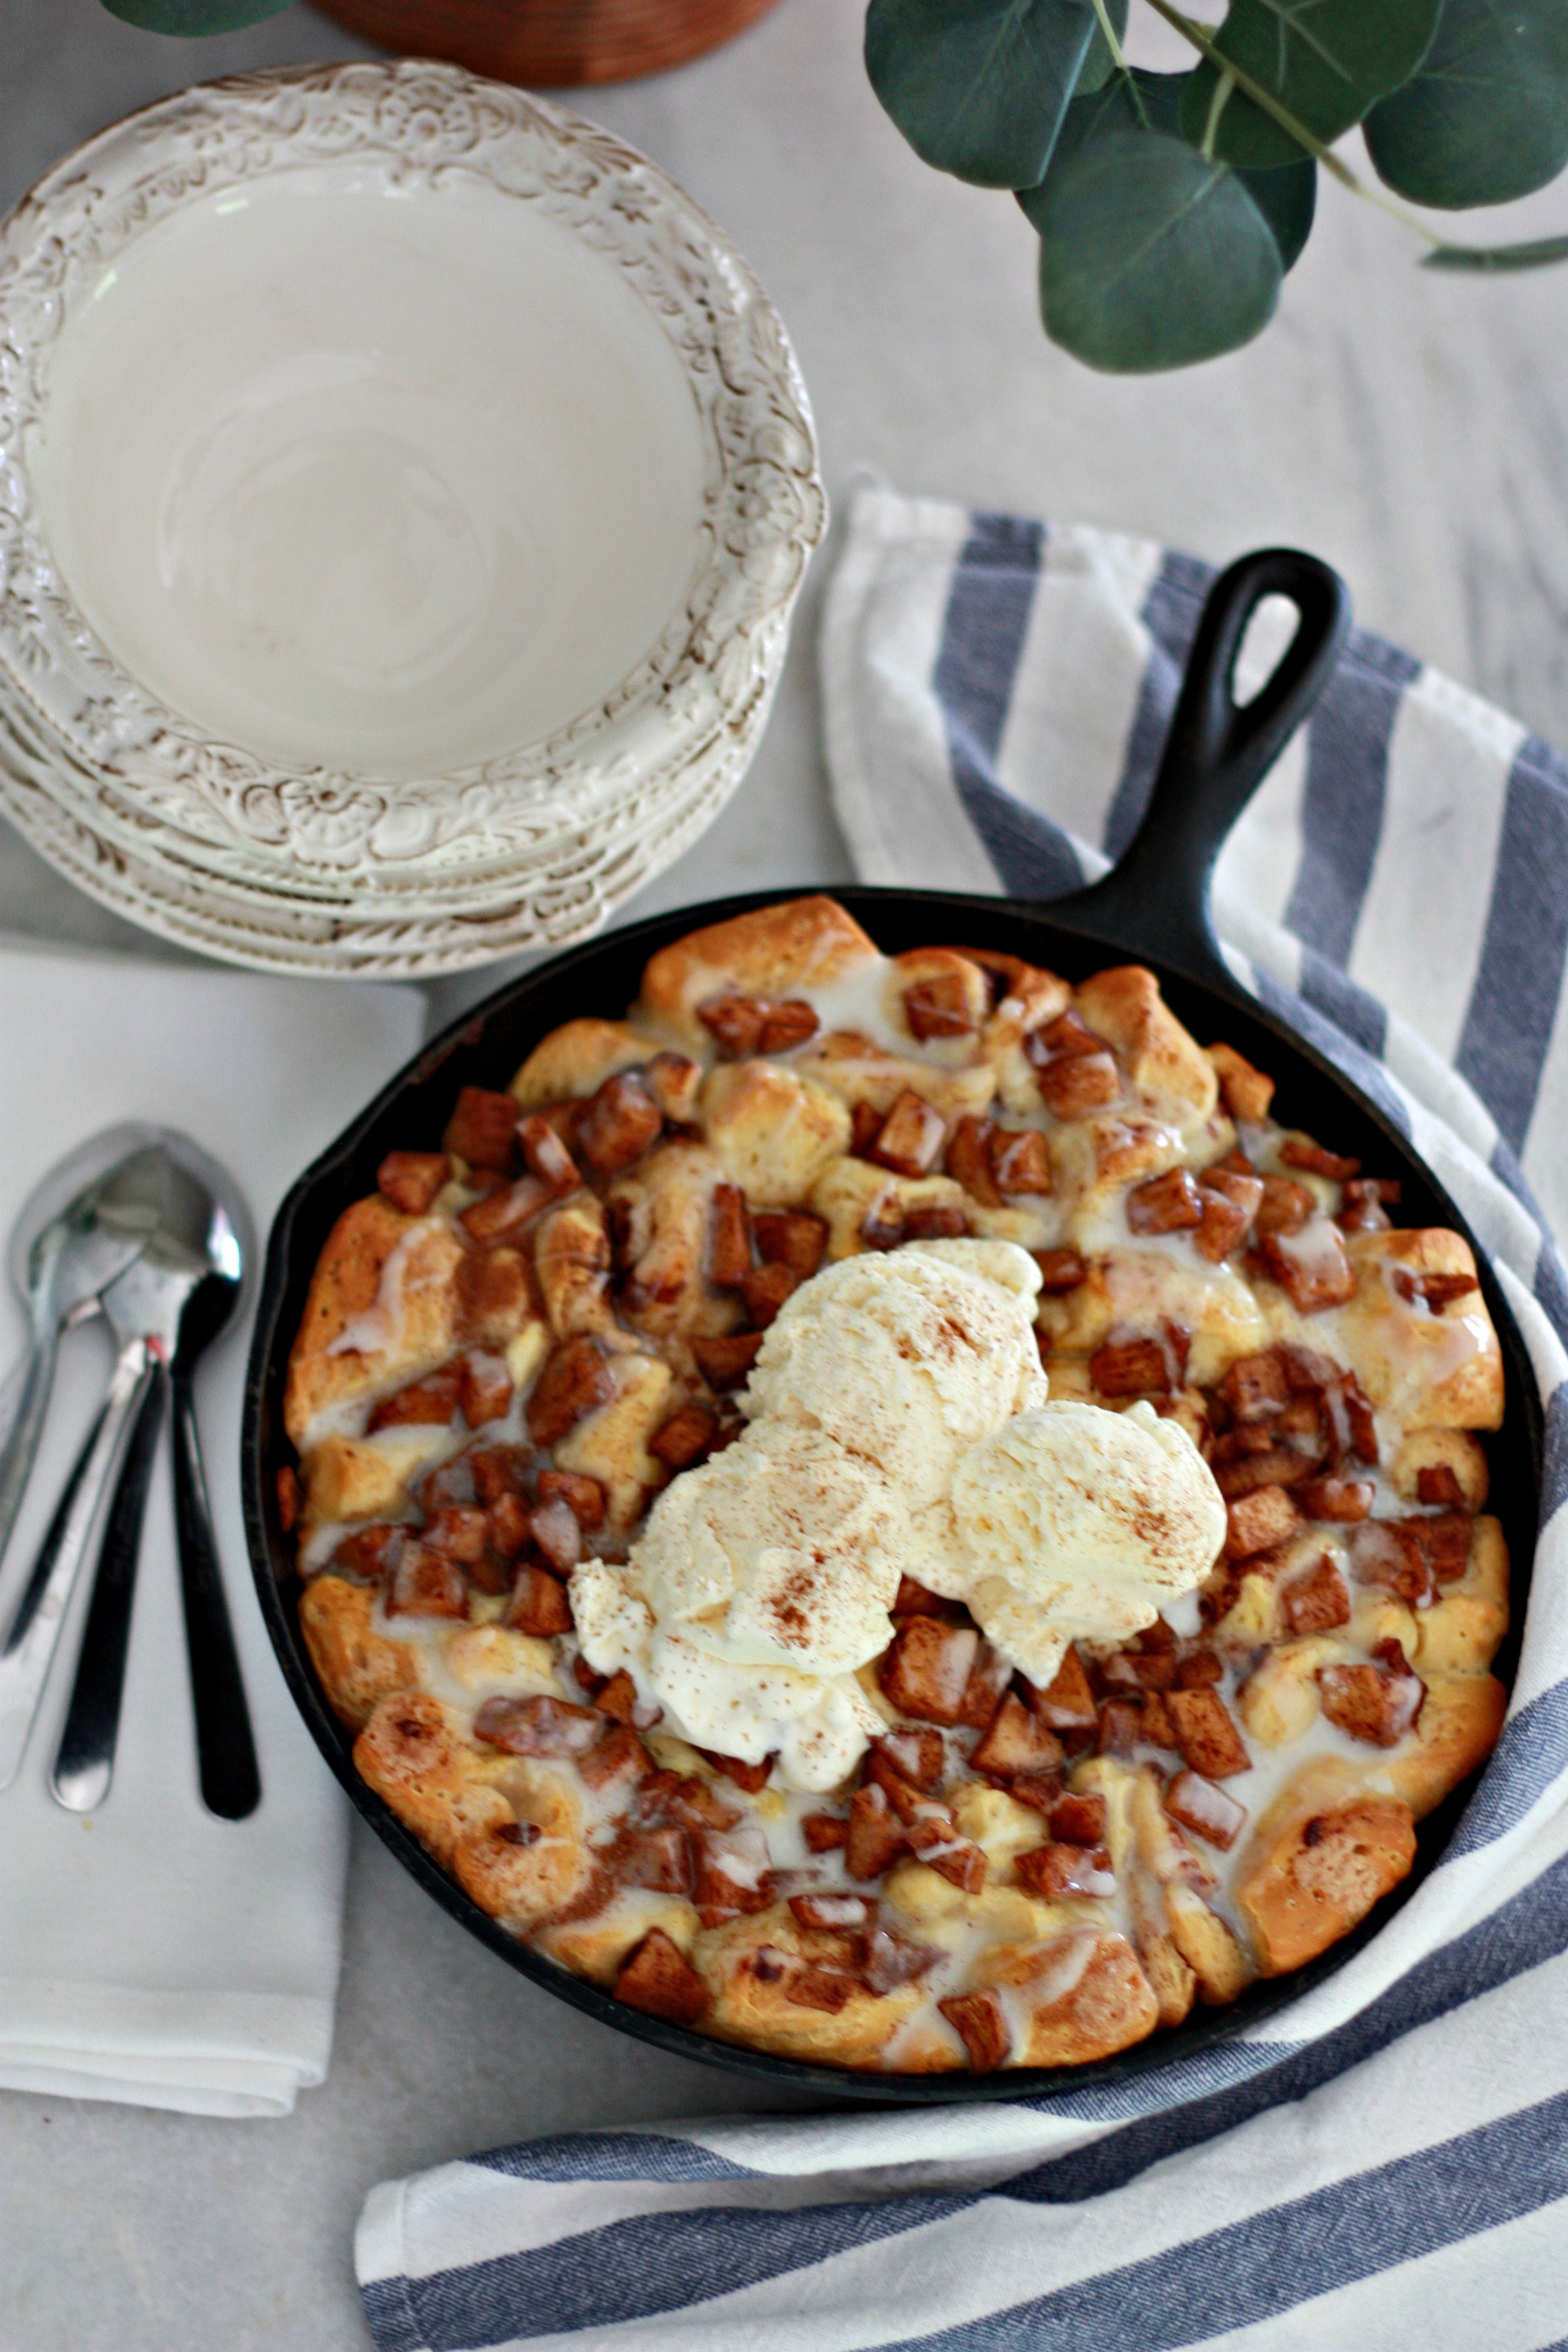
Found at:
<point>128,1196</point>
<point>79,1228</point>
<point>225,1750</point>
<point>164,1309</point>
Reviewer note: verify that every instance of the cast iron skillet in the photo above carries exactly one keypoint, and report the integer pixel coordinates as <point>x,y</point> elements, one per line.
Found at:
<point>1153,908</point>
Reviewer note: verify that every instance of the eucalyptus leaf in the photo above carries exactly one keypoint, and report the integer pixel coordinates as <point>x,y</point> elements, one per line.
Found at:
<point>1326,61</point>
<point>978,87</point>
<point>1150,256</point>
<point>1484,258</point>
<point>1286,197</point>
<point>1099,65</point>
<point>1486,117</point>
<point>191,18</point>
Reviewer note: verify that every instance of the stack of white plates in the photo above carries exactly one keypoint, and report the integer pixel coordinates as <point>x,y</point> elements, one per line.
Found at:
<point>403,491</point>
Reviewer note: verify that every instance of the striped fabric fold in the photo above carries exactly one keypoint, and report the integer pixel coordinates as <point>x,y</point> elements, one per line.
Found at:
<point>1385,2161</point>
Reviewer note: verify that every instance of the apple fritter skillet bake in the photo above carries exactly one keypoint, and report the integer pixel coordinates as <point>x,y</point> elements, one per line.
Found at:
<point>883,1508</point>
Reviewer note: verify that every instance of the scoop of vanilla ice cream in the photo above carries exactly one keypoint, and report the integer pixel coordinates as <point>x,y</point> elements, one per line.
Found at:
<point>904,1357</point>
<point>783,1550</point>
<point>1077,1523</point>
<point>817,1725</point>
<point>898,1425</point>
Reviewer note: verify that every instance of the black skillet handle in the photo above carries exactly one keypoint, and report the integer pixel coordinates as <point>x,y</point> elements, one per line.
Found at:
<point>1154,903</point>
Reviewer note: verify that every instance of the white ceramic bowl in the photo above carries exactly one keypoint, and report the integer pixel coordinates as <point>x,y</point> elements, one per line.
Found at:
<point>404,489</point>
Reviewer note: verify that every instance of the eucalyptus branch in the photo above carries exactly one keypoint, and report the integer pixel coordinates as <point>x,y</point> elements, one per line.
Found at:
<point>1444,254</point>
<point>1334,164</point>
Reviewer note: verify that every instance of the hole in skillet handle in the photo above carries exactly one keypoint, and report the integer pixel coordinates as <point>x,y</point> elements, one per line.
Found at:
<point>1156,902</point>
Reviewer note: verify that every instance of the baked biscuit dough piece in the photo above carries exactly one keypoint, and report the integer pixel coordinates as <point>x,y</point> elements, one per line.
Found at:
<point>414,1753</point>
<point>1168,1067</point>
<point>1219,1966</point>
<point>1327,1849</point>
<point>770,1130</point>
<point>1140,1290</point>
<point>1458,1726</point>
<point>421,1315</point>
<point>597,1947</point>
<point>1030,998</point>
<point>521,1883</point>
<point>1174,1981</point>
<point>1094,1159</point>
<point>848,1191</point>
<point>611,1443</point>
<point>571,1260</point>
<point>356,1666</point>
<point>1080,1997</point>
<point>860,1072</point>
<point>1453,1450</point>
<point>665,1202</point>
<point>752,2006</point>
<point>1461,1631</point>
<point>1025,994</point>
<point>1439,1370</point>
<point>774,951</point>
<point>963,981</point>
<point>575,1060</point>
<point>366,1477</point>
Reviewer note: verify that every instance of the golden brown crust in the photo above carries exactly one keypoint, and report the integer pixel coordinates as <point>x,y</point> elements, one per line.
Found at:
<point>754,2008</point>
<point>1144,1288</point>
<point>1461,1631</point>
<point>366,1477</point>
<point>522,1883</point>
<point>356,1666</point>
<point>612,1443</point>
<point>1094,1159</point>
<point>346,1285</point>
<point>575,1060</point>
<point>1168,1067</point>
<point>1451,1451</point>
<point>860,1072</point>
<point>1221,1969</point>
<point>1081,2003</point>
<point>1438,1369</point>
<point>571,1259</point>
<point>666,1203</point>
<point>774,951</point>
<point>413,1753</point>
<point>597,1946</point>
<point>770,1130</point>
<point>961,987</point>
<point>1319,1858</point>
<point>849,1190</point>
<point>1461,1722</point>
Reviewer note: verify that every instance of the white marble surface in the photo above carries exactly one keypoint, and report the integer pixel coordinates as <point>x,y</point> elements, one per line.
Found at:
<point>1411,428</point>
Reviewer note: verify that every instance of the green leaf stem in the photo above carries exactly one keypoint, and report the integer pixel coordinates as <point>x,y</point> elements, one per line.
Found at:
<point>1482,259</point>
<point>1099,64</point>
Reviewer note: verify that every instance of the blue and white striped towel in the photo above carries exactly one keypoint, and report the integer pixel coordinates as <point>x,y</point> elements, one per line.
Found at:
<point>1384,2165</point>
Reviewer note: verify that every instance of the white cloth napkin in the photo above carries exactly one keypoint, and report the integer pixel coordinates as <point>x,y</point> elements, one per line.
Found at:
<point>150,1952</point>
